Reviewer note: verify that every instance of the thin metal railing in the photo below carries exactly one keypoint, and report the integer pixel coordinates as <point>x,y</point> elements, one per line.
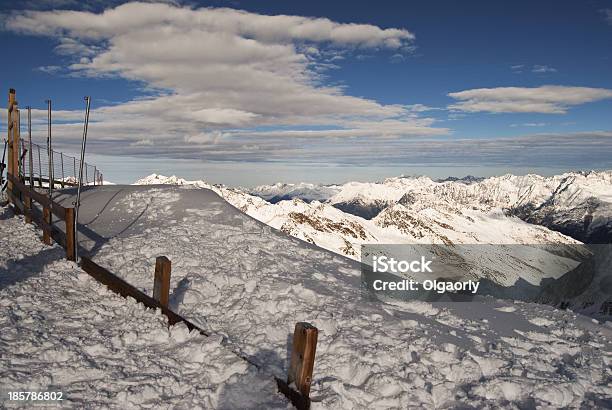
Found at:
<point>37,165</point>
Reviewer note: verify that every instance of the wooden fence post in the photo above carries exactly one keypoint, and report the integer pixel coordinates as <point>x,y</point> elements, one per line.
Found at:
<point>70,227</point>
<point>161,286</point>
<point>46,224</point>
<point>302,357</point>
<point>11,128</point>
<point>27,207</point>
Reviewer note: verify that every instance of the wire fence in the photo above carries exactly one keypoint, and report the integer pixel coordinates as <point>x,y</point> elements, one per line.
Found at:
<point>34,167</point>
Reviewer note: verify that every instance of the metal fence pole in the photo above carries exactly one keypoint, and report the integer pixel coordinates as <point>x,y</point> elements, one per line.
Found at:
<point>62,162</point>
<point>49,148</point>
<point>39,168</point>
<point>30,146</point>
<point>78,200</point>
<point>19,146</point>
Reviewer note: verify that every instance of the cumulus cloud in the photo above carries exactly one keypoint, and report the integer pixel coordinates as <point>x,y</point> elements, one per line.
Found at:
<point>547,99</point>
<point>134,17</point>
<point>215,73</point>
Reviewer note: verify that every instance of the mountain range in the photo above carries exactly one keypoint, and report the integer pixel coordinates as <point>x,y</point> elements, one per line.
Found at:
<point>510,212</point>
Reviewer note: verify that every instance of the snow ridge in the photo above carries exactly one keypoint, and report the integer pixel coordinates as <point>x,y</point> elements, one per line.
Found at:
<point>424,218</point>
<point>237,277</point>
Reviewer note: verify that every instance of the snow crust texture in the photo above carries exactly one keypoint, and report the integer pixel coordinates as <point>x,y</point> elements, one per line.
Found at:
<point>64,332</point>
<point>241,279</point>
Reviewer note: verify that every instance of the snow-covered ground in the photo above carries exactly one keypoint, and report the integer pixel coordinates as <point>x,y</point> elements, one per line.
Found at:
<point>64,332</point>
<point>242,279</point>
<point>423,219</point>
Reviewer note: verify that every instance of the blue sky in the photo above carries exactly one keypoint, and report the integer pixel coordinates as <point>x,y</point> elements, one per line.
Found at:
<point>245,93</point>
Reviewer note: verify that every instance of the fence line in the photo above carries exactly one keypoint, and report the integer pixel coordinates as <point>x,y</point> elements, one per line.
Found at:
<point>29,165</point>
<point>34,167</point>
<point>297,385</point>
<point>24,197</point>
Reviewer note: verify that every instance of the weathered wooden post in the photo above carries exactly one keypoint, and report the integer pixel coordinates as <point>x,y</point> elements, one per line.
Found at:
<point>301,365</point>
<point>13,133</point>
<point>27,206</point>
<point>13,145</point>
<point>70,228</point>
<point>161,286</point>
<point>47,223</point>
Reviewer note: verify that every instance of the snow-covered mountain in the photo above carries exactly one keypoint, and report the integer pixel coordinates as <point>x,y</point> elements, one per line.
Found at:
<point>425,218</point>
<point>407,218</point>
<point>305,191</point>
<point>578,204</point>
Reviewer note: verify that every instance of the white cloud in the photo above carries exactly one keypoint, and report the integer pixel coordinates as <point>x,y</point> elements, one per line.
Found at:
<point>540,69</point>
<point>49,69</point>
<point>397,58</point>
<point>218,73</point>
<point>543,69</point>
<point>547,99</point>
<point>530,124</point>
<point>608,15</point>
<point>134,17</point>
<point>421,108</point>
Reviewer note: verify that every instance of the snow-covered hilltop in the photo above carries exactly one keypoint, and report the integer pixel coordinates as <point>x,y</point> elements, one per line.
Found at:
<point>63,331</point>
<point>402,210</point>
<point>421,210</point>
<point>247,283</point>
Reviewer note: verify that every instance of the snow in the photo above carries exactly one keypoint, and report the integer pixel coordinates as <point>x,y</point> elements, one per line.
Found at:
<point>503,191</point>
<point>566,191</point>
<point>305,191</point>
<point>425,220</point>
<point>250,283</point>
<point>576,203</point>
<point>63,331</point>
